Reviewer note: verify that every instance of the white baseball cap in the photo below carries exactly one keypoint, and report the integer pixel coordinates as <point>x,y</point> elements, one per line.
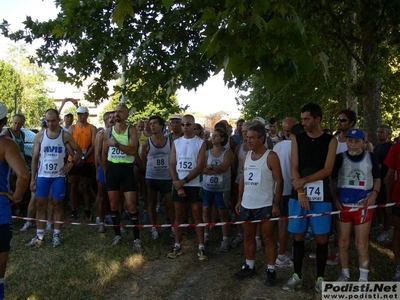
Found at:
<point>3,110</point>
<point>176,117</point>
<point>259,119</point>
<point>82,110</point>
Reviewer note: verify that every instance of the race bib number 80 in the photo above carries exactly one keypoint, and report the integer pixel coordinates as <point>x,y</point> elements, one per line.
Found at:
<point>314,191</point>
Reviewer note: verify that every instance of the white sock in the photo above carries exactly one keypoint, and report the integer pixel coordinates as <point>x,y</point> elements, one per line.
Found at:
<point>281,256</point>
<point>57,231</point>
<point>363,274</point>
<point>177,245</point>
<point>271,267</point>
<point>225,238</point>
<point>40,233</point>
<point>346,272</point>
<point>250,263</point>
<point>201,246</point>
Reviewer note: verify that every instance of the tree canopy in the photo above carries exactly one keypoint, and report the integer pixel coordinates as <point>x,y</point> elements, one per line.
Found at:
<point>337,51</point>
<point>22,86</point>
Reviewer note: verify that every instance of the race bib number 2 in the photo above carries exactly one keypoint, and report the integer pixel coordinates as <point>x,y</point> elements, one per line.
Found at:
<point>252,176</point>
<point>314,191</point>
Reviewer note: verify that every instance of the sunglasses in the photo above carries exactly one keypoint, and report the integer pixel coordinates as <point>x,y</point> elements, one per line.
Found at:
<point>342,120</point>
<point>186,124</point>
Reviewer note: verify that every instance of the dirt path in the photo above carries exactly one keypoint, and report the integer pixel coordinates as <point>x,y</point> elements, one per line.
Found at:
<point>188,278</point>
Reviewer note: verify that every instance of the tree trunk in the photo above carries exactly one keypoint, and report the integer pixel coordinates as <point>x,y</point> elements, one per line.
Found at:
<point>351,68</point>
<point>371,94</point>
<point>352,76</point>
<point>371,81</point>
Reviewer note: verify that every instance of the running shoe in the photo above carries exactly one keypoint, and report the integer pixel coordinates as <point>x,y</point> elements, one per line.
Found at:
<point>48,226</point>
<point>310,235</point>
<point>224,246</point>
<point>318,285</point>
<point>56,240</point>
<point>312,256</point>
<point>137,246</point>
<point>154,233</point>
<point>202,254</point>
<point>124,230</point>
<point>294,282</point>
<point>271,278</point>
<point>117,240</point>
<point>245,272</point>
<point>34,242</point>
<point>333,259</point>
<point>343,278</point>
<point>26,226</point>
<point>238,240</point>
<point>108,219</point>
<point>176,251</point>
<point>283,263</point>
<point>102,228</point>
<point>384,236</point>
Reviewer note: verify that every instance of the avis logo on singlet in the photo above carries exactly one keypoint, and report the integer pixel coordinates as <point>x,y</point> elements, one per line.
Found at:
<point>53,149</point>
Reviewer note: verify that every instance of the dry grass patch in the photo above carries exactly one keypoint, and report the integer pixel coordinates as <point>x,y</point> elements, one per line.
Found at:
<point>86,267</point>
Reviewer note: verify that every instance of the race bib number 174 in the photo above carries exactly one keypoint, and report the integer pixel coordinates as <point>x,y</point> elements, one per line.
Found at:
<point>314,191</point>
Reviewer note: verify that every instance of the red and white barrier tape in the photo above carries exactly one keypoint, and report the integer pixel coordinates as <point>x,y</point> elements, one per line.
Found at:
<point>211,224</point>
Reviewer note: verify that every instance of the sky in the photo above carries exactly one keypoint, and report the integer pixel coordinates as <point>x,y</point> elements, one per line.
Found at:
<point>213,96</point>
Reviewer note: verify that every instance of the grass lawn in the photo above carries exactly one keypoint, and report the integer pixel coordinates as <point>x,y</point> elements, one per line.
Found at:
<point>86,267</point>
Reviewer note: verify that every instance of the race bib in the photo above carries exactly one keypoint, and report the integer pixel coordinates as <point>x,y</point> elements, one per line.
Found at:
<point>115,153</point>
<point>314,191</point>
<point>252,176</point>
<point>214,181</point>
<point>158,162</point>
<point>185,164</point>
<point>51,166</point>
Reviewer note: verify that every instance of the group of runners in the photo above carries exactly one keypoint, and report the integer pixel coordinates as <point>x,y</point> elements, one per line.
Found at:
<point>254,174</point>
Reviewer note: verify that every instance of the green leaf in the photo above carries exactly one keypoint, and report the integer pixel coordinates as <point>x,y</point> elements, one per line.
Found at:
<point>168,3</point>
<point>123,8</point>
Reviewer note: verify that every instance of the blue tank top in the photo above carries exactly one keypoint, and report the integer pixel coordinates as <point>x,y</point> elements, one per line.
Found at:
<point>5,209</point>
